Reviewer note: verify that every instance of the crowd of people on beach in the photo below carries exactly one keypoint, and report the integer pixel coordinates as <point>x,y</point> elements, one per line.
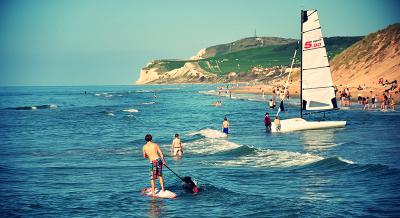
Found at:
<point>385,100</point>
<point>344,96</point>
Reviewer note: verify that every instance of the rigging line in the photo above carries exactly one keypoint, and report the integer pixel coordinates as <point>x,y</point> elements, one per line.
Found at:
<point>287,81</point>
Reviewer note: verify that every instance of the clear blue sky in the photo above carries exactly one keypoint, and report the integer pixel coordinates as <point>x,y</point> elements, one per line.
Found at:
<point>103,42</point>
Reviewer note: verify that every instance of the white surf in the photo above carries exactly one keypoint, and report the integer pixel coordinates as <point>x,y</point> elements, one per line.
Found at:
<point>132,110</point>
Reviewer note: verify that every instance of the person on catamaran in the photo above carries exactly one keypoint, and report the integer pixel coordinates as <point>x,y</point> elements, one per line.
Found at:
<point>267,122</point>
<point>225,126</point>
<point>272,104</point>
<point>152,151</point>
<point>177,148</point>
<point>277,123</point>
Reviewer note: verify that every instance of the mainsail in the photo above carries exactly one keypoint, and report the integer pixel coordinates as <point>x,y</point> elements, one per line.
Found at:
<point>317,86</point>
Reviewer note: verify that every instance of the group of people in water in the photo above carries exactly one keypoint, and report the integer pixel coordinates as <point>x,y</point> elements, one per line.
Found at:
<point>218,103</point>
<point>152,151</point>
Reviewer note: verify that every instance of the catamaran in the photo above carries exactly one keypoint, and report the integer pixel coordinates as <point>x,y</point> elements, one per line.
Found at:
<point>316,87</point>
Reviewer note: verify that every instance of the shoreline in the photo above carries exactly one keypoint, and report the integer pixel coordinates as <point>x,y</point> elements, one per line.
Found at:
<point>293,91</point>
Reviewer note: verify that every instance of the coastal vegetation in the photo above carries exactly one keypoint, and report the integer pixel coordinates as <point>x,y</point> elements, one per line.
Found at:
<point>254,59</point>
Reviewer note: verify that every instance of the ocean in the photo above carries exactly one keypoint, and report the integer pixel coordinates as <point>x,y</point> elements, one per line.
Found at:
<point>76,152</point>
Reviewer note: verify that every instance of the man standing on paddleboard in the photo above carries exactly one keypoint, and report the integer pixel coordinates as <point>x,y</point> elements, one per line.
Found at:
<point>154,153</point>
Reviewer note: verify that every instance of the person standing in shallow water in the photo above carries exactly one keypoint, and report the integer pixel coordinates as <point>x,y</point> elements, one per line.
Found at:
<point>277,123</point>
<point>267,122</point>
<point>153,152</point>
<point>177,148</point>
<point>225,126</point>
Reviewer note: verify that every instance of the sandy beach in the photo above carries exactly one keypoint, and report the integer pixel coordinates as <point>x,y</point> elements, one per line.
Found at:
<point>294,88</point>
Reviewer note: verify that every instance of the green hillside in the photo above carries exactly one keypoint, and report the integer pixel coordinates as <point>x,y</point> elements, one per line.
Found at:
<point>243,60</point>
<point>244,44</point>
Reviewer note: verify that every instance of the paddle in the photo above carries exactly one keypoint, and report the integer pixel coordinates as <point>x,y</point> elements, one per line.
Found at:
<point>190,185</point>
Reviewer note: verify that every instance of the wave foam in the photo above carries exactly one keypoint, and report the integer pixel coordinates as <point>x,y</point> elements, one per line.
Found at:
<point>46,106</point>
<point>346,161</point>
<point>152,102</point>
<point>273,158</point>
<point>209,146</point>
<point>209,133</point>
<point>132,110</point>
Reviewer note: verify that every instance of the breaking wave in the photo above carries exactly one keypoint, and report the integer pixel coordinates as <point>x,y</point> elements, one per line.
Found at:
<point>132,110</point>
<point>271,158</point>
<point>46,106</point>
<point>209,146</point>
<point>209,133</point>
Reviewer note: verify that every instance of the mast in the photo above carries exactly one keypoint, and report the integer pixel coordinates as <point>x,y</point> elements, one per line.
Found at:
<point>301,64</point>
<point>287,81</point>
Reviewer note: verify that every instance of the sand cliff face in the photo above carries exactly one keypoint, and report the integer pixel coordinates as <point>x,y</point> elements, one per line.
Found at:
<point>190,72</point>
<point>376,56</point>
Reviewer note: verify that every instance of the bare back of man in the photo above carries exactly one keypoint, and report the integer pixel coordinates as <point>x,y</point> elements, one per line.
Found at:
<point>151,150</point>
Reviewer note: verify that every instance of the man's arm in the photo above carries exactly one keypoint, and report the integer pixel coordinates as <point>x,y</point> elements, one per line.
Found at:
<point>144,153</point>
<point>161,155</point>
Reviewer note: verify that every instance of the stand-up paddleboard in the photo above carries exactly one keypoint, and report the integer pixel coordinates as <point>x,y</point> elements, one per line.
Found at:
<point>158,193</point>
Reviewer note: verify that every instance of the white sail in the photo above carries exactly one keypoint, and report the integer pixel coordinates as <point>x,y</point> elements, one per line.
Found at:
<point>317,86</point>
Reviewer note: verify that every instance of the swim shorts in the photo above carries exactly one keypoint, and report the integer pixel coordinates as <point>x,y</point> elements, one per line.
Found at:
<point>178,150</point>
<point>156,168</point>
<point>226,130</point>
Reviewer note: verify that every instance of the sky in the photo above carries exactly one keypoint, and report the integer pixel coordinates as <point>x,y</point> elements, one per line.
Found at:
<point>103,42</point>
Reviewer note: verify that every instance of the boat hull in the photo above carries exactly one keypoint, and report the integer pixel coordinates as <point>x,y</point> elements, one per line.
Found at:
<point>298,124</point>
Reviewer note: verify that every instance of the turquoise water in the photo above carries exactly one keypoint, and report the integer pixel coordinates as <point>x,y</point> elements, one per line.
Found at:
<point>83,157</point>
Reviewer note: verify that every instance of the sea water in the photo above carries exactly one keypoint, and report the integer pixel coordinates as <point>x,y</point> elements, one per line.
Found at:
<point>81,156</point>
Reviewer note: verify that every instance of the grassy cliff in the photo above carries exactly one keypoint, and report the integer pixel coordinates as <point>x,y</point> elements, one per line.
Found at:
<point>242,55</point>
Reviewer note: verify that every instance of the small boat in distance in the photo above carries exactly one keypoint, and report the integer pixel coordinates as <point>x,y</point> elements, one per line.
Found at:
<point>316,86</point>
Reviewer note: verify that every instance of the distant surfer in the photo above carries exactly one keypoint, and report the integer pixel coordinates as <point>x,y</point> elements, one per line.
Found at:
<point>277,123</point>
<point>177,148</point>
<point>267,122</point>
<point>225,126</point>
<point>156,157</point>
